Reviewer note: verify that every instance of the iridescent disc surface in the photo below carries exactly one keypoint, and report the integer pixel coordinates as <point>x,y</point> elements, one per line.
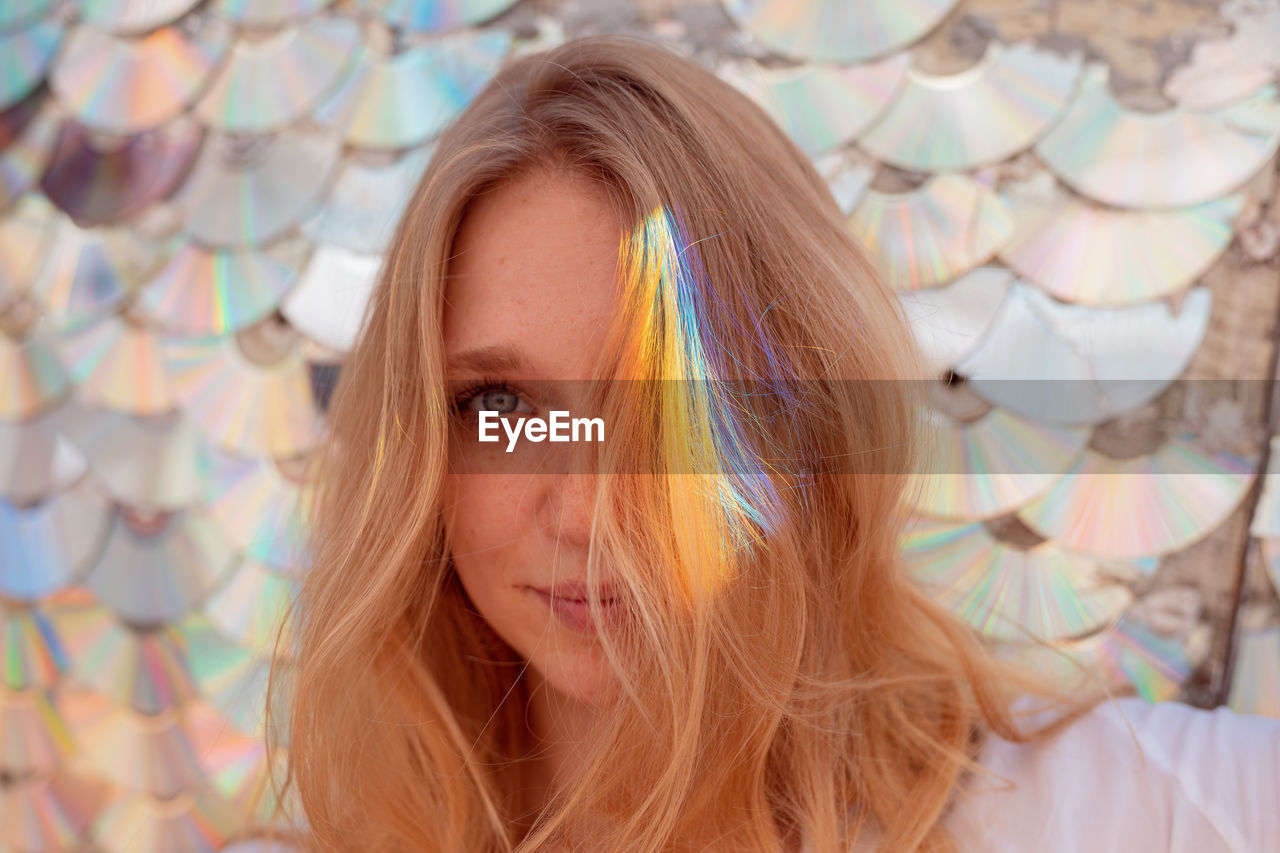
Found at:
<point>140,823</point>
<point>34,125</point>
<point>1009,594</point>
<point>1090,363</point>
<point>250,606</point>
<point>140,461</point>
<point>34,739</point>
<point>155,567</point>
<point>201,292</point>
<point>247,190</point>
<point>435,16</point>
<point>1084,252</point>
<point>1124,508</point>
<point>253,409</point>
<point>837,32</point>
<point>993,465</point>
<point>1266,515</point>
<point>982,115</point>
<point>142,669</point>
<point>49,812</point>
<point>259,508</point>
<point>32,379</point>
<point>17,13</point>
<point>933,234</point>
<point>367,201</point>
<point>50,544</point>
<point>119,365</point>
<point>126,86</point>
<point>1176,158</point>
<point>948,322</point>
<point>329,301</point>
<point>1224,70</point>
<point>26,238</point>
<point>820,107</point>
<point>36,458</point>
<point>133,16</point>
<point>97,184</point>
<point>1255,675</point>
<point>439,80</point>
<point>151,753</point>
<point>267,13</point>
<point>31,652</point>
<point>229,676</point>
<point>25,55</point>
<point>267,85</point>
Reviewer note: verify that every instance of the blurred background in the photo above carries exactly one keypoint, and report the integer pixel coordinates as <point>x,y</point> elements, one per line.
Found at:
<point>1076,200</point>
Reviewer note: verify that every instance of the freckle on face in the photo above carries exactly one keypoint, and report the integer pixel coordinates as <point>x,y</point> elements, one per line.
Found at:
<point>533,268</point>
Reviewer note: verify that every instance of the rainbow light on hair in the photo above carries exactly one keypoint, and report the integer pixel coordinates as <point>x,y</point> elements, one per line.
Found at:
<point>729,499</point>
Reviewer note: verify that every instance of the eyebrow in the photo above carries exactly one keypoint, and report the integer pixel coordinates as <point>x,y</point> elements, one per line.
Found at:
<point>499,358</point>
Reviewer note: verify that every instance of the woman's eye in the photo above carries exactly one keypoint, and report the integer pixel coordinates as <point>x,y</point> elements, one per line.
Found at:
<point>501,400</point>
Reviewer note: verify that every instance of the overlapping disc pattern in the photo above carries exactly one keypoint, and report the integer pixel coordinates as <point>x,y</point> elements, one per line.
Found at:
<point>196,203</point>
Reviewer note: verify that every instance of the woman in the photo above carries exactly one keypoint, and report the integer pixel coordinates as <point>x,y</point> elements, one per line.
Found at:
<point>705,639</point>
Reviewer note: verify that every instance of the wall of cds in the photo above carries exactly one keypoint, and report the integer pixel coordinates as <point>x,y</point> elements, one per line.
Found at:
<point>194,202</point>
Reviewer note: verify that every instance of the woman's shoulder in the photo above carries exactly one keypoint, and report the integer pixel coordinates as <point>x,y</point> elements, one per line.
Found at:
<point>1129,775</point>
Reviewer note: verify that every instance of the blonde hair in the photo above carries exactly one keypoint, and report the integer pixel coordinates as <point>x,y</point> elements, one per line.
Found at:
<point>834,697</point>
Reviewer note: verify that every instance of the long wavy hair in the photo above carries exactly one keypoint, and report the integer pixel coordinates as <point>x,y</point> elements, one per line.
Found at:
<point>816,693</point>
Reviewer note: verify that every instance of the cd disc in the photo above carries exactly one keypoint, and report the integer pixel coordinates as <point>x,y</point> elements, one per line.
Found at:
<point>139,823</point>
<point>367,202</point>
<point>26,240</point>
<point>837,32</point>
<point>49,812</point>
<point>267,13</point>
<point>232,678</point>
<point>267,85</point>
<point>32,379</point>
<point>1091,363</point>
<point>34,739</point>
<point>98,183</point>
<point>17,13</point>
<point>1225,70</point>
<point>133,16</point>
<point>982,115</point>
<point>258,504</point>
<point>948,322</point>
<point>36,459</point>
<point>24,57</point>
<point>1255,676</point>
<point>1082,252</point>
<point>250,607</point>
<point>993,465</point>
<point>328,304</point>
<point>151,753</point>
<point>52,543</point>
<point>202,292</point>
<point>125,86</point>
<point>142,669</point>
<point>433,16</point>
<point>146,462</point>
<point>1177,158</point>
<point>91,271</point>
<point>32,651</point>
<point>155,566</point>
<point>1123,508</point>
<point>439,79</point>
<point>820,107</point>
<point>258,404</point>
<point>249,190</point>
<point>28,131</point>
<point>934,234</point>
<point>119,365</point>
<point>1009,594</point>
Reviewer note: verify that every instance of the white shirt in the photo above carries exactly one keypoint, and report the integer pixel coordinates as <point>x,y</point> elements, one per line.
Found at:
<point>1131,777</point>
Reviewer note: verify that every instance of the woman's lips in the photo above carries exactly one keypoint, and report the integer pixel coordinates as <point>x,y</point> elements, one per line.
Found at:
<point>572,607</point>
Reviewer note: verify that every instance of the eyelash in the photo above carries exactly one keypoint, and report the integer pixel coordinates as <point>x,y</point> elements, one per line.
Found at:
<point>465,396</point>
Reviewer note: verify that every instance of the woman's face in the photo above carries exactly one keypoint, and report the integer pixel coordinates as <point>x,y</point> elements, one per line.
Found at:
<point>529,293</point>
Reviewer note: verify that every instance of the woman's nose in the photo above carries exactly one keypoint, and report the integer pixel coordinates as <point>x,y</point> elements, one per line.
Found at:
<point>569,508</point>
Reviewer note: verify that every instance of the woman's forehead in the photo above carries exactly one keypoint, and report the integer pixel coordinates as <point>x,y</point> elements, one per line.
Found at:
<point>533,268</point>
